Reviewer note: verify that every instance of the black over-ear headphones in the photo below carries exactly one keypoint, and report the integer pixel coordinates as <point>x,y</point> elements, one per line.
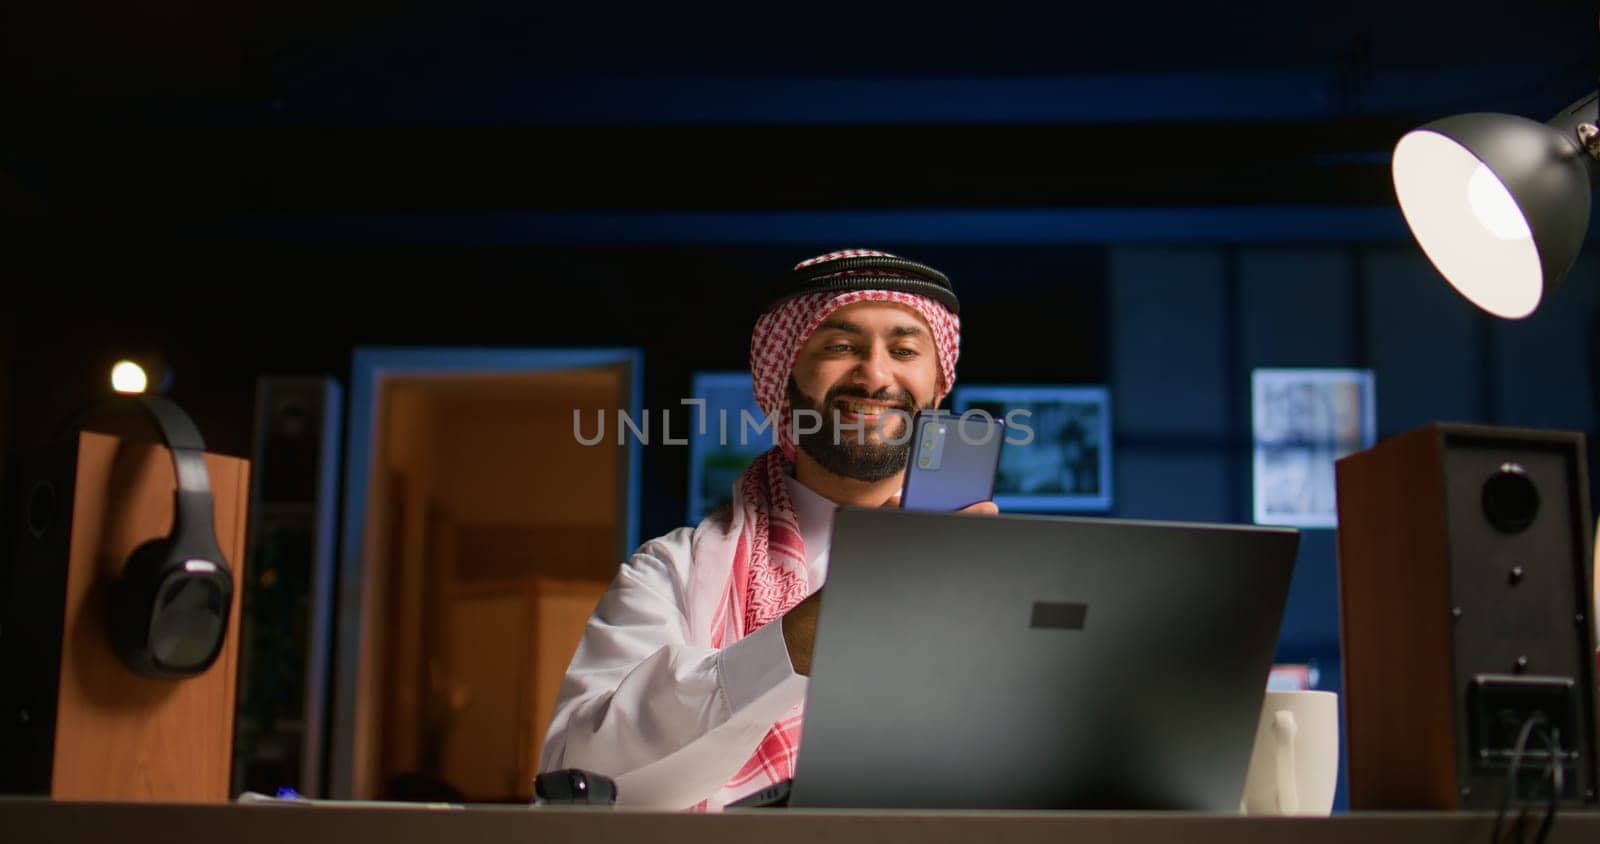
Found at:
<point>170,607</point>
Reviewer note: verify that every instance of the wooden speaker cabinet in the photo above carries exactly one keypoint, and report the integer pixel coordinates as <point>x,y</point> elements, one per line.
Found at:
<point>1465,590</point>
<point>75,722</point>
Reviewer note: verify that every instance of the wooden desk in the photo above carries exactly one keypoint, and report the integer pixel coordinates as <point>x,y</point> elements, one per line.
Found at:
<point>89,823</point>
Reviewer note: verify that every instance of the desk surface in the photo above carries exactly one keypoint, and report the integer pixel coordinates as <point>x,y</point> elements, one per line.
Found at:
<point>36,820</point>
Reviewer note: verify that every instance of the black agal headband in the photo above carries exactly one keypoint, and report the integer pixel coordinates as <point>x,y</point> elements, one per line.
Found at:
<point>863,269</point>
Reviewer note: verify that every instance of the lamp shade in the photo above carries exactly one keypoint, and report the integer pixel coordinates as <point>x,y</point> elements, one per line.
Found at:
<point>1499,203</point>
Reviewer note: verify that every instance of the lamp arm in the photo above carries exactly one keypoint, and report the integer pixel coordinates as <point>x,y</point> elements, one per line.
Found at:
<point>1581,121</point>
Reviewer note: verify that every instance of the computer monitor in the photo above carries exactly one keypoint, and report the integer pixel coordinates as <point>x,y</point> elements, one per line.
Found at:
<point>1057,454</point>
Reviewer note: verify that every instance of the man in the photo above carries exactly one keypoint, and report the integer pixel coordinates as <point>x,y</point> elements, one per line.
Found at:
<point>688,685</point>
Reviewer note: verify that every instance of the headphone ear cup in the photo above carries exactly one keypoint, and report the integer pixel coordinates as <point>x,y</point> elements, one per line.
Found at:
<point>169,616</point>
<point>191,619</point>
<point>133,597</point>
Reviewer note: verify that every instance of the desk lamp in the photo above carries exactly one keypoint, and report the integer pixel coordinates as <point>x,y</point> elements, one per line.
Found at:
<point>1500,203</point>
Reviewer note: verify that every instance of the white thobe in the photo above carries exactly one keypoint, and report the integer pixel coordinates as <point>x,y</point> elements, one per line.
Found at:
<point>668,719</point>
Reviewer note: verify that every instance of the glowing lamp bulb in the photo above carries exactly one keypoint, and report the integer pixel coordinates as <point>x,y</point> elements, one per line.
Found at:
<point>1493,206</point>
<point>128,377</point>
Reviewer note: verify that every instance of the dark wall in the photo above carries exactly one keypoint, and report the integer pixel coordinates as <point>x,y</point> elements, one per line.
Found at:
<point>252,189</point>
<point>222,314</point>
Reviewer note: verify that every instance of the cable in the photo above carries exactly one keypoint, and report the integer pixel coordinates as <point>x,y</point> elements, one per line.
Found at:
<point>1528,725</point>
<point>1558,781</point>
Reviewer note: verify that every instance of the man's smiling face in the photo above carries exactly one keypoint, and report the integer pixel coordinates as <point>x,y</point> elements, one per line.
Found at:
<point>863,361</point>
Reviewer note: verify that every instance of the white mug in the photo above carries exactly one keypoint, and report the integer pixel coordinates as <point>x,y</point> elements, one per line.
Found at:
<point>1294,767</point>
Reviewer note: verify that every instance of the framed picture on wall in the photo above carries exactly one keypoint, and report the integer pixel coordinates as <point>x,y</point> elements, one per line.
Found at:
<point>1057,453</point>
<point>1303,420</point>
<point>732,435</point>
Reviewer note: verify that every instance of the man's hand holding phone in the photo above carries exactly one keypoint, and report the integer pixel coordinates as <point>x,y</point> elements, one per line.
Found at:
<point>953,463</point>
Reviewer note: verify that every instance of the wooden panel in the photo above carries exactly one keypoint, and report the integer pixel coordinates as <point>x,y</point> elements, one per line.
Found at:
<point>396,711</point>
<point>1400,713</point>
<point>563,610</point>
<point>121,736</point>
<point>486,679</point>
<point>492,553</point>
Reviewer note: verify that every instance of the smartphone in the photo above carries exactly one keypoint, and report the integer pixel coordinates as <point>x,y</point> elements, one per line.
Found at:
<point>953,460</point>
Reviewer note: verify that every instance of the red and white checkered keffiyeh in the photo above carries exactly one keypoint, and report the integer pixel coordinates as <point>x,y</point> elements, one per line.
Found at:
<point>749,561</point>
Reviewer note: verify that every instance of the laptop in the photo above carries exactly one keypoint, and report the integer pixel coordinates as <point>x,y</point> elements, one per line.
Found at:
<point>1037,662</point>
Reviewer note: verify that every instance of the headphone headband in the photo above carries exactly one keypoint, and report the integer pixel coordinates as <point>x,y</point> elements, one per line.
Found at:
<point>193,524</point>
<point>177,430</point>
<point>181,435</point>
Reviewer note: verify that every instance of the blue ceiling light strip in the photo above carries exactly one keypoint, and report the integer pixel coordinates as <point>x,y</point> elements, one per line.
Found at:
<point>1317,94</point>
<point>1245,224</point>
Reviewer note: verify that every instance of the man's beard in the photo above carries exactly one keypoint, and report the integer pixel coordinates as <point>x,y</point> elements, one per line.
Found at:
<point>853,453</point>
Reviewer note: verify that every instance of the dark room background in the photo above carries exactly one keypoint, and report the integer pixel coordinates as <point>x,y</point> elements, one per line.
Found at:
<point>1157,199</point>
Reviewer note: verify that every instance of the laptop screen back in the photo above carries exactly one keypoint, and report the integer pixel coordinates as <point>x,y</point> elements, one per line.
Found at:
<point>1035,662</point>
